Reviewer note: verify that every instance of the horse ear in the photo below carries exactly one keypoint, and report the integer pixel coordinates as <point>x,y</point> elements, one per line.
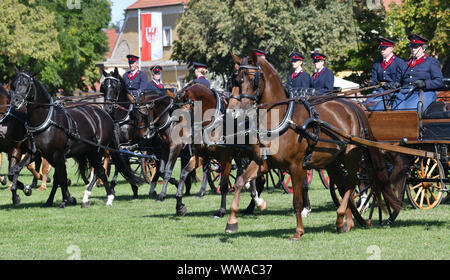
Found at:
<point>253,56</point>
<point>16,69</point>
<point>171,94</point>
<point>236,59</point>
<point>116,71</point>
<point>104,73</point>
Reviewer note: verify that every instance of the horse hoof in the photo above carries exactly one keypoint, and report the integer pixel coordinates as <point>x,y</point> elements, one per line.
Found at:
<point>231,228</point>
<point>201,194</point>
<point>16,201</point>
<point>295,238</point>
<point>343,229</point>
<point>219,214</point>
<point>263,206</point>
<point>86,204</point>
<point>69,182</point>
<point>47,205</point>
<point>62,205</point>
<point>27,190</point>
<point>160,198</point>
<point>181,211</point>
<point>72,201</point>
<point>4,181</point>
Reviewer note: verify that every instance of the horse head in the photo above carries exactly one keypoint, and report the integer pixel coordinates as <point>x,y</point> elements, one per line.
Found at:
<point>113,88</point>
<point>23,88</point>
<point>248,83</point>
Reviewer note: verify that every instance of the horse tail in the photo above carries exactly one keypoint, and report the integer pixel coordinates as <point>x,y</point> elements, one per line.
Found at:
<point>123,165</point>
<point>382,182</point>
<point>381,179</point>
<point>82,162</point>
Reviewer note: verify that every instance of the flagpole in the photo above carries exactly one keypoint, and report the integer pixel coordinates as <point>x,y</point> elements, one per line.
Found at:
<point>139,32</point>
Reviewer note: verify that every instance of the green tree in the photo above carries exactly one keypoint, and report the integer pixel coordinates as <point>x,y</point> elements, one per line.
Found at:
<point>210,30</point>
<point>82,42</point>
<point>430,18</point>
<point>27,35</point>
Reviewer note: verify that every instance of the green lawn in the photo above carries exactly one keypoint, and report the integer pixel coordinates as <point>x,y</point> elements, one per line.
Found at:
<point>145,229</point>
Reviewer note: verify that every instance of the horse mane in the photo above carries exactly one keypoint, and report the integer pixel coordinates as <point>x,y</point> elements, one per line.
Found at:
<point>265,63</point>
<point>40,86</point>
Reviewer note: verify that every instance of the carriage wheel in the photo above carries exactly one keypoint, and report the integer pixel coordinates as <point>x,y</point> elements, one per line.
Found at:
<point>286,180</point>
<point>214,176</point>
<point>148,169</point>
<point>324,178</point>
<point>364,205</point>
<point>425,194</point>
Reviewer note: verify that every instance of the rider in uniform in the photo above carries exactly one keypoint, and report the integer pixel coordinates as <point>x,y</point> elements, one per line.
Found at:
<point>385,70</point>
<point>260,53</point>
<point>422,72</point>
<point>155,84</point>
<point>200,72</point>
<point>298,78</point>
<point>135,79</point>
<point>323,78</point>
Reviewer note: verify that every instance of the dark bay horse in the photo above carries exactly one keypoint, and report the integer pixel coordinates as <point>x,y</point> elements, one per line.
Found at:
<point>193,96</point>
<point>81,132</point>
<point>130,126</point>
<point>298,148</point>
<point>158,106</point>
<point>12,135</point>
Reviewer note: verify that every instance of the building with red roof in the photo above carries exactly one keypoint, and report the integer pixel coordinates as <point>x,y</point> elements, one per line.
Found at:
<point>126,41</point>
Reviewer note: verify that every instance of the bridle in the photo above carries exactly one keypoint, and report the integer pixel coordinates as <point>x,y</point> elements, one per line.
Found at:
<point>18,100</point>
<point>116,90</point>
<point>242,70</point>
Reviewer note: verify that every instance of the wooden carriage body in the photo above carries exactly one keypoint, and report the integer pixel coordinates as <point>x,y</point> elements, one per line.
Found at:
<point>429,131</point>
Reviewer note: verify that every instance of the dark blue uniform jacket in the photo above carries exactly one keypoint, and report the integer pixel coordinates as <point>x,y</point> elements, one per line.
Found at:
<point>426,68</point>
<point>390,74</point>
<point>138,82</point>
<point>324,81</point>
<point>203,81</point>
<point>303,80</point>
<point>152,86</point>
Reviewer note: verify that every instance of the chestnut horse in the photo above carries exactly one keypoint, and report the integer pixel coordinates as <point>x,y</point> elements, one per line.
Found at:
<point>12,134</point>
<point>298,148</point>
<point>224,154</point>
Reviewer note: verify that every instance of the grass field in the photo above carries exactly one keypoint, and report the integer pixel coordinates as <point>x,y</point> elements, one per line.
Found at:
<point>145,229</point>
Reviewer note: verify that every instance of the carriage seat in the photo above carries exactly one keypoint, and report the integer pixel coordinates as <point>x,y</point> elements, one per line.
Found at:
<point>437,110</point>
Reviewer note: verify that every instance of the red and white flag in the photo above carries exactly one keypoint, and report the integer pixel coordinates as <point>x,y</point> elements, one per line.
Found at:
<point>151,36</point>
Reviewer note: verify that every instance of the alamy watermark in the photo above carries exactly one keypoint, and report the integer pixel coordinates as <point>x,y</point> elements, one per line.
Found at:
<point>74,252</point>
<point>73,4</point>
<point>374,251</point>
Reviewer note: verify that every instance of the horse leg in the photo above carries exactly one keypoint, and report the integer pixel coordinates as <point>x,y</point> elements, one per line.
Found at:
<point>185,173</point>
<point>85,203</point>
<point>253,171</point>
<point>45,178</point>
<point>51,196</point>
<point>202,191</point>
<point>15,166</point>
<point>35,171</point>
<point>256,187</point>
<point>224,182</point>
<point>67,199</point>
<point>173,154</point>
<point>297,185</point>
<point>152,193</point>
<point>101,174</point>
<point>306,203</point>
<point>134,188</point>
